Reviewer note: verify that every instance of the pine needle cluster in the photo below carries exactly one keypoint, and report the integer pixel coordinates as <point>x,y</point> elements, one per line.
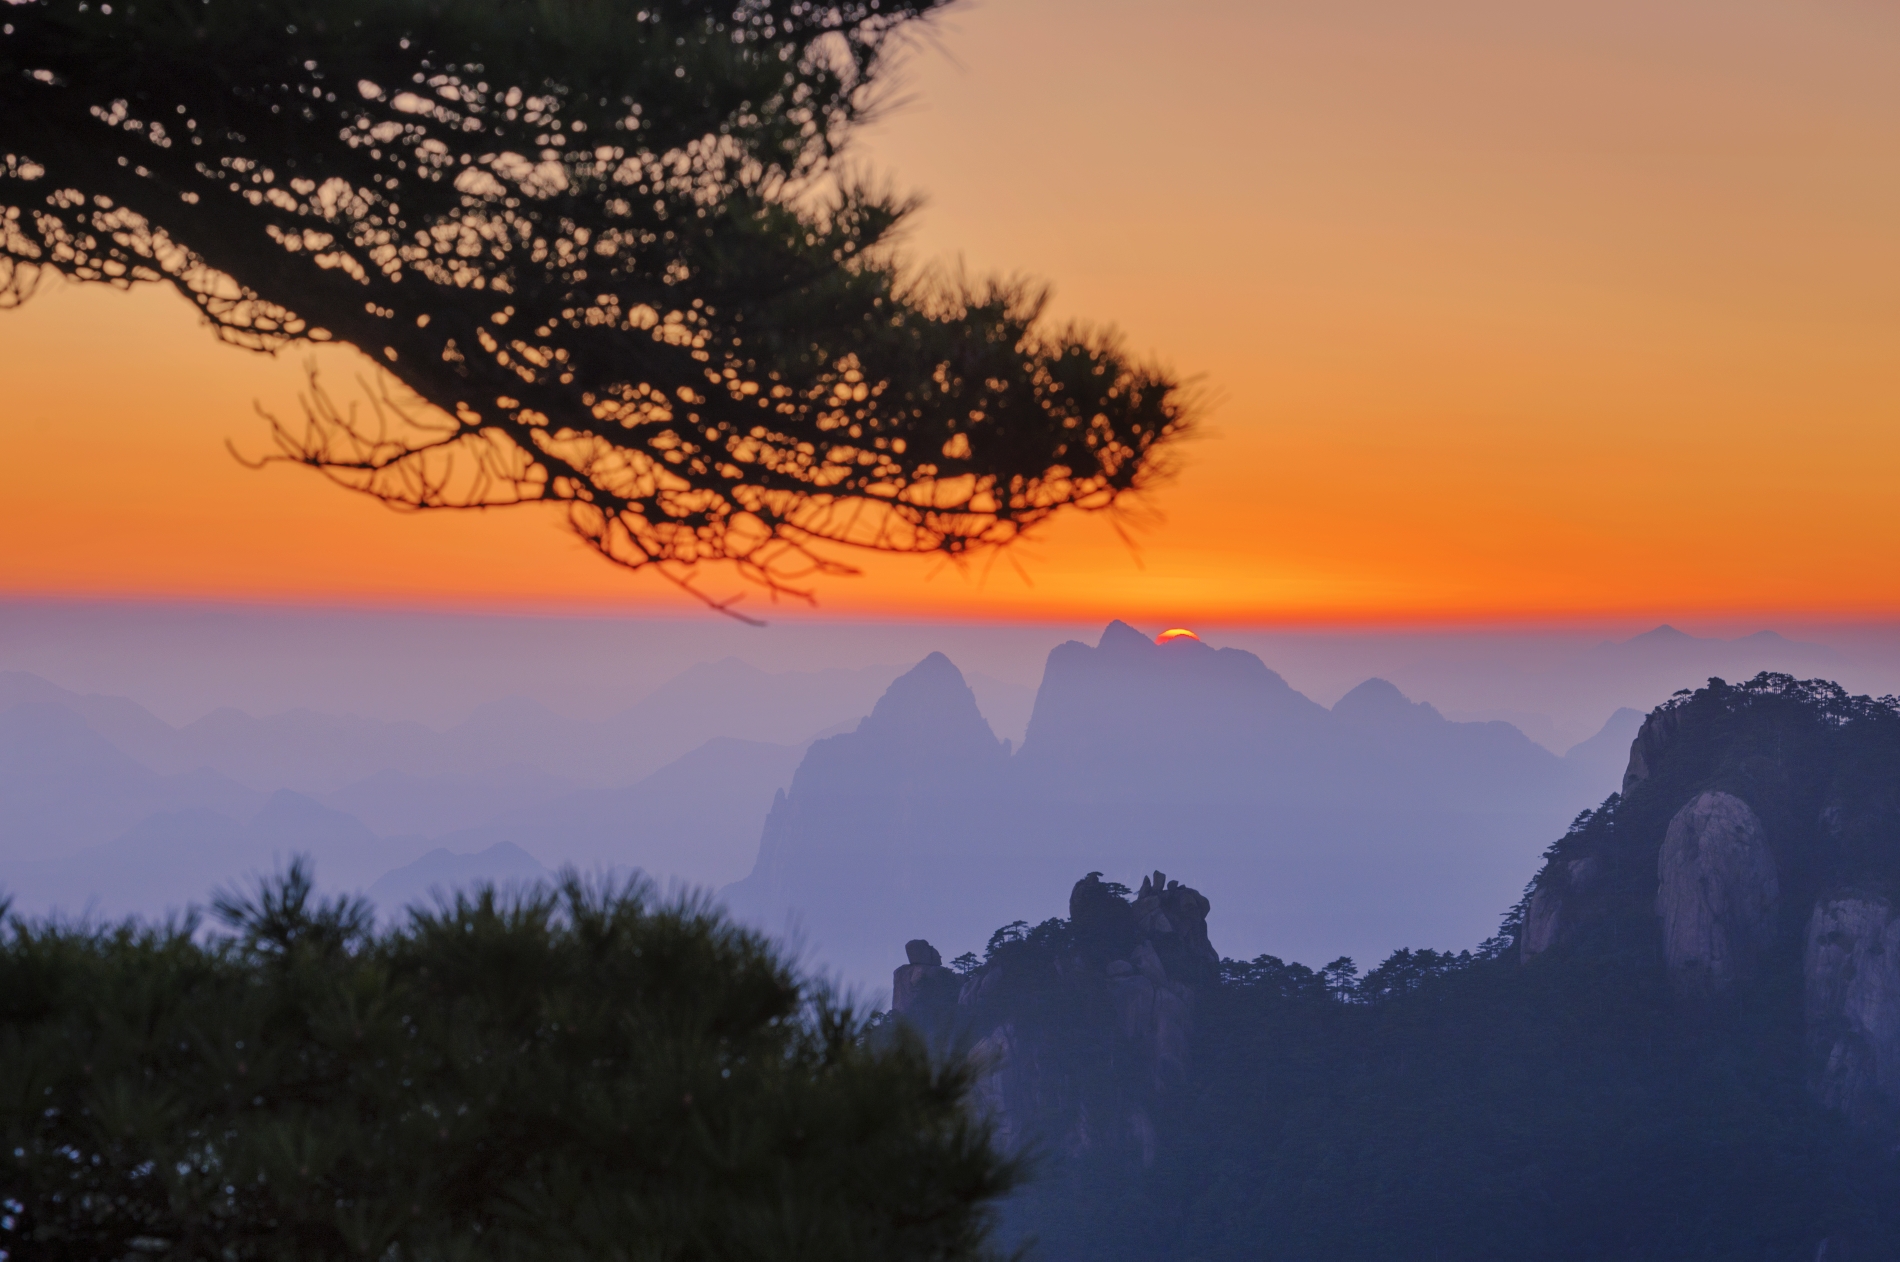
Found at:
<point>574,1072</point>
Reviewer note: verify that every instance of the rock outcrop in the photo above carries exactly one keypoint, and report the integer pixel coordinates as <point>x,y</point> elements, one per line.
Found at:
<point>1173,918</point>
<point>1124,972</point>
<point>1650,746</point>
<point>1552,907</point>
<point>1744,807</point>
<point>1717,894</point>
<point>1153,988</point>
<point>923,982</point>
<point>1851,979</point>
<point>1543,916</point>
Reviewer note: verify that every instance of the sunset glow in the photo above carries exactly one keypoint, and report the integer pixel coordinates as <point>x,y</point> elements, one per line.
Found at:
<point>1502,314</point>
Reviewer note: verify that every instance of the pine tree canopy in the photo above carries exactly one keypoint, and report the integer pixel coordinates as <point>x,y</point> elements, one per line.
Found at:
<point>579,1073</point>
<point>607,250</point>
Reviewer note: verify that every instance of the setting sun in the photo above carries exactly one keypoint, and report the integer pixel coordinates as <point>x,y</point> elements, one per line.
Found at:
<point>1175,633</point>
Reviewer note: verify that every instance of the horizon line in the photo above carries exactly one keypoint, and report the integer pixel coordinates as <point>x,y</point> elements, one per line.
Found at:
<point>1310,621</point>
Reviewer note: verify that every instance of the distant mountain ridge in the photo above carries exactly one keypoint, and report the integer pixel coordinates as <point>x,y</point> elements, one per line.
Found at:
<point>171,859</point>
<point>437,875</point>
<point>878,818</point>
<point>62,784</point>
<point>1667,639</point>
<point>707,803</point>
<point>1128,744</point>
<point>103,805</point>
<point>1201,757</point>
<point>320,753</point>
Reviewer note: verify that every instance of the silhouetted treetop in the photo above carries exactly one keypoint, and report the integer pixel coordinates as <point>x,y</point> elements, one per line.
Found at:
<point>611,247</point>
<point>568,1073</point>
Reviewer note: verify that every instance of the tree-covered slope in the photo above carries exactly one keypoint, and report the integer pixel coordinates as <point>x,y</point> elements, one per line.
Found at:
<point>1682,1044</point>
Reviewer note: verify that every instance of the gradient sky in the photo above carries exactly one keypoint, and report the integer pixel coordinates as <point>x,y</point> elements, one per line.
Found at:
<point>1507,311</point>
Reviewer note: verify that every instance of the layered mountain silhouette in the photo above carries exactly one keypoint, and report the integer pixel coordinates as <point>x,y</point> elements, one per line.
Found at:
<point>537,752</point>
<point>108,809</point>
<point>878,821</point>
<point>695,820</point>
<point>437,876</point>
<point>1200,758</point>
<point>174,858</point>
<point>63,786</point>
<point>1666,645</point>
<point>915,817</point>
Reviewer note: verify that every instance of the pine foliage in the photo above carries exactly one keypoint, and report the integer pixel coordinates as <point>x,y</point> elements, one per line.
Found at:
<point>579,1072</point>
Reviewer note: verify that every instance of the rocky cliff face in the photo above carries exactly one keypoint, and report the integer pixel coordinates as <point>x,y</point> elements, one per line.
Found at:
<point>923,982</point>
<point>1650,746</point>
<point>1757,841</point>
<point>1717,894</point>
<point>1545,917</point>
<point>1152,988</point>
<point>1115,984</point>
<point>1851,976</point>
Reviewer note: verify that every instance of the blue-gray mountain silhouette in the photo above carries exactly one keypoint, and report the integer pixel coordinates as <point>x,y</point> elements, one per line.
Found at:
<point>437,875</point>
<point>877,820</point>
<point>1374,824</point>
<point>697,818</point>
<point>172,859</point>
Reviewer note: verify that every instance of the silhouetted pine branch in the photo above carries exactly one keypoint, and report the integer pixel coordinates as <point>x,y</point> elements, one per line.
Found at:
<point>607,250</point>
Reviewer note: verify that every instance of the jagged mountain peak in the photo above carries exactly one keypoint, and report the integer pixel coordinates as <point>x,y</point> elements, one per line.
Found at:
<point>1378,700</point>
<point>1118,636</point>
<point>1124,659</point>
<point>931,692</point>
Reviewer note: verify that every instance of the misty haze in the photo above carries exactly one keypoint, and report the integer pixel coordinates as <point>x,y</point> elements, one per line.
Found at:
<point>844,808</point>
<point>936,631</point>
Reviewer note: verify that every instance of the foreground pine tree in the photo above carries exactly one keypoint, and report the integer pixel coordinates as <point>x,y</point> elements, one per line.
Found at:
<point>577,1073</point>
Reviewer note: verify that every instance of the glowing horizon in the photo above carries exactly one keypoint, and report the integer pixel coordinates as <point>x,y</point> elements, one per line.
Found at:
<point>1508,318</point>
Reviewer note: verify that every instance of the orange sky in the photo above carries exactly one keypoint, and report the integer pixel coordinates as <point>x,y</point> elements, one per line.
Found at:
<point>1511,311</point>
